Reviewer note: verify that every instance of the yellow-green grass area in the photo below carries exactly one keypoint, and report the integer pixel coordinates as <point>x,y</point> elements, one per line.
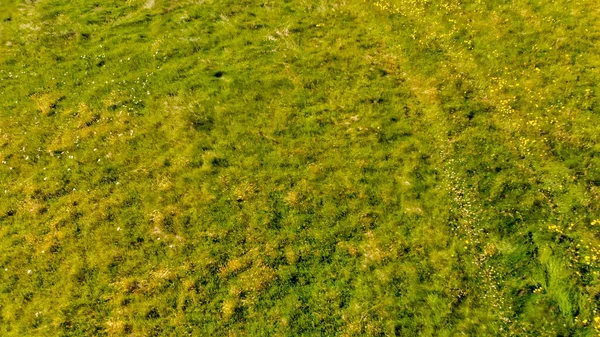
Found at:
<point>299,168</point>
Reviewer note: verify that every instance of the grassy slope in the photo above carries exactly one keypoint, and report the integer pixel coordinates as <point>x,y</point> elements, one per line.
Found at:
<point>307,167</point>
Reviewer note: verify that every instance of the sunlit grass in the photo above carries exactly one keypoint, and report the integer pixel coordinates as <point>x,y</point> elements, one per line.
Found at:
<point>399,167</point>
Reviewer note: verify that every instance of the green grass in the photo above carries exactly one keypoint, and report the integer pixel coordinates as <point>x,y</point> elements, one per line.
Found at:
<point>299,168</point>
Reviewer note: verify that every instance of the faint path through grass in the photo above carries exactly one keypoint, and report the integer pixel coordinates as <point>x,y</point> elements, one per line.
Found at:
<point>471,238</point>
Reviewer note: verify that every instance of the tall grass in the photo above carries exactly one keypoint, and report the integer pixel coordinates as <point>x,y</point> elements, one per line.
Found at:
<point>351,168</point>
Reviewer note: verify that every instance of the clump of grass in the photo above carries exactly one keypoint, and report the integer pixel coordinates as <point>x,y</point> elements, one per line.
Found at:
<point>46,103</point>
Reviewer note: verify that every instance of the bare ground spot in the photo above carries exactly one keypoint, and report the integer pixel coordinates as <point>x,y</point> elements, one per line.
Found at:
<point>149,4</point>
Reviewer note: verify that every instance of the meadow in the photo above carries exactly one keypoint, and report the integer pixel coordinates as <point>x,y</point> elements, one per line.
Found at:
<point>299,168</point>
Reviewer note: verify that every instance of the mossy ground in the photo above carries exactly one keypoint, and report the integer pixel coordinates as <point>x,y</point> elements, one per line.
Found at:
<point>299,168</point>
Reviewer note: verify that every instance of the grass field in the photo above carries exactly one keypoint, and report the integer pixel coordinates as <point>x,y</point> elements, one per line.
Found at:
<point>300,168</point>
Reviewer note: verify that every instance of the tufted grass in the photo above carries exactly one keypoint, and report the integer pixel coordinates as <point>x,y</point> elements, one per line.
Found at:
<point>299,168</point>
